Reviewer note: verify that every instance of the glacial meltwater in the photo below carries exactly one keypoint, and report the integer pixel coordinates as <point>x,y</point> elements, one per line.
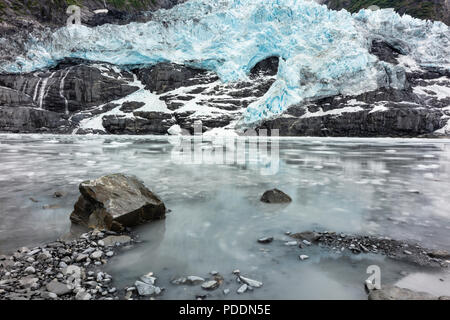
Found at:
<point>398,188</point>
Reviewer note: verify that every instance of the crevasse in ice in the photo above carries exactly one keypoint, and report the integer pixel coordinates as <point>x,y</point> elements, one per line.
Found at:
<point>322,52</point>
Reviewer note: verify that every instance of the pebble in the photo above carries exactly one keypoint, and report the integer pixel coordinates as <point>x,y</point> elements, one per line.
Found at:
<point>96,255</point>
<point>291,243</point>
<point>242,289</point>
<point>48,295</point>
<point>265,240</point>
<point>145,289</point>
<point>83,295</point>
<point>193,280</point>
<point>210,285</point>
<point>303,257</point>
<point>226,291</point>
<point>251,282</point>
<point>407,252</point>
<point>148,279</point>
<point>81,257</point>
<point>30,270</point>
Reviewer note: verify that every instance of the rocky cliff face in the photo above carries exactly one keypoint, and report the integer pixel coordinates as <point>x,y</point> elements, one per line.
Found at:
<point>83,97</point>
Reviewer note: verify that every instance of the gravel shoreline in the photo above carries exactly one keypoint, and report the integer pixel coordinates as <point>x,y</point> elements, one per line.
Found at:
<point>72,269</point>
<point>63,270</point>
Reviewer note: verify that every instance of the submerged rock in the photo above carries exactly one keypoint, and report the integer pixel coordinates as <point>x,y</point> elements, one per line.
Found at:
<point>116,201</point>
<point>275,196</point>
<point>265,240</point>
<point>307,235</point>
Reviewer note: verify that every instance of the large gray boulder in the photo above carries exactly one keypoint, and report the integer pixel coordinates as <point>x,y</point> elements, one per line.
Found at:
<point>116,201</point>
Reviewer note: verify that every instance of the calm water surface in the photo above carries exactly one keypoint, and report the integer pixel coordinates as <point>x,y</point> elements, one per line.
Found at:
<point>389,187</point>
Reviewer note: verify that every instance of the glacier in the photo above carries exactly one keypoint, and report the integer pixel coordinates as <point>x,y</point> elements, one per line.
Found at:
<point>322,52</point>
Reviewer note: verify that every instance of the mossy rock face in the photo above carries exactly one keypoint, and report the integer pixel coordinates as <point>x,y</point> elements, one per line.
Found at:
<point>53,12</point>
<point>432,10</point>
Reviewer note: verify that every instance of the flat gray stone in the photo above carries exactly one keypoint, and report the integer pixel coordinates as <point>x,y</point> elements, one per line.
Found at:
<point>58,288</point>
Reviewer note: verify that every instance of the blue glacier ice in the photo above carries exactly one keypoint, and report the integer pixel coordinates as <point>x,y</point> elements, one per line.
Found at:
<point>323,52</point>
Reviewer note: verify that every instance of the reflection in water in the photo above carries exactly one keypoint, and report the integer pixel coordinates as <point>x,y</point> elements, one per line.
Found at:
<point>389,187</point>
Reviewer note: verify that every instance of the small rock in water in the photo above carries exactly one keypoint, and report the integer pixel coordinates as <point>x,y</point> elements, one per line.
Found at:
<point>307,235</point>
<point>242,289</point>
<point>145,289</point>
<point>148,279</point>
<point>214,273</point>
<point>303,257</point>
<point>251,282</point>
<point>407,252</point>
<point>58,194</point>
<point>306,242</point>
<point>193,280</point>
<point>210,285</point>
<point>265,240</point>
<point>226,291</point>
<point>179,281</point>
<point>291,243</point>
<point>236,272</point>
<point>275,196</point>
